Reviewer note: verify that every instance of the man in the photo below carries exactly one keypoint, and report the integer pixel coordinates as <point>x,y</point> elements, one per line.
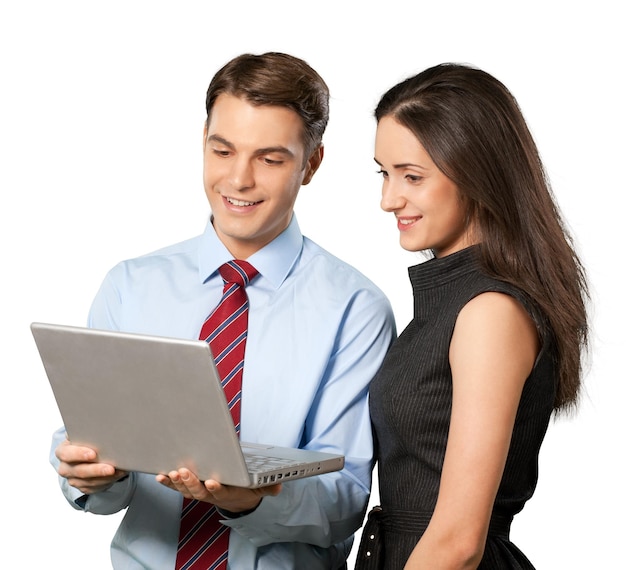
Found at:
<point>317,332</point>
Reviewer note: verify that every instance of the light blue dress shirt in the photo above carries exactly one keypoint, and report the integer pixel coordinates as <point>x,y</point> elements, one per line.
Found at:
<point>317,333</point>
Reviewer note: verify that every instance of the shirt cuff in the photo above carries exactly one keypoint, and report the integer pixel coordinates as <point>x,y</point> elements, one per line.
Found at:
<point>230,515</point>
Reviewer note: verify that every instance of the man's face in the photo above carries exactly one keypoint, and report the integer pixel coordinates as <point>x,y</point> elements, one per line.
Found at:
<point>254,165</point>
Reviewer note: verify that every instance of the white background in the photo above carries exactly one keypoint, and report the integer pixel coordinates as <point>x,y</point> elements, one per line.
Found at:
<point>101,115</point>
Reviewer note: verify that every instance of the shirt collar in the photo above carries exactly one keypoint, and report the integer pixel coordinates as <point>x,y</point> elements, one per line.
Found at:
<point>273,262</point>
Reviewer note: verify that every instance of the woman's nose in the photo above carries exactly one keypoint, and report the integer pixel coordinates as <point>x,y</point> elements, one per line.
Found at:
<point>391,199</point>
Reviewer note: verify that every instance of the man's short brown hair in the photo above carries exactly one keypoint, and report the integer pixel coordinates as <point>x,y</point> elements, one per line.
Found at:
<point>276,79</point>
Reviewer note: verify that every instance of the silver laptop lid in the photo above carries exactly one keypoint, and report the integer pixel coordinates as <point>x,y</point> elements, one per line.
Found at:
<point>145,403</point>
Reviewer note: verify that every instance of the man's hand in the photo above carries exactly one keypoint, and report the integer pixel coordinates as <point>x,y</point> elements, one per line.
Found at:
<point>232,499</point>
<point>80,466</point>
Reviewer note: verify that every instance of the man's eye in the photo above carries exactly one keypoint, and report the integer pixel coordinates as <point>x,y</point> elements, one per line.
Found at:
<point>220,152</point>
<point>272,161</point>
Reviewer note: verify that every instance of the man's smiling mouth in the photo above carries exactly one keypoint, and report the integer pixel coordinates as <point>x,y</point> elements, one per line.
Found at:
<point>240,202</point>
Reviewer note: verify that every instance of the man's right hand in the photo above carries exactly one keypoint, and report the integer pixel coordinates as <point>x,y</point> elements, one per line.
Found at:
<point>80,466</point>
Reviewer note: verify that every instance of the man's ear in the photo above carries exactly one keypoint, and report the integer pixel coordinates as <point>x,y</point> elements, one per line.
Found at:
<point>313,163</point>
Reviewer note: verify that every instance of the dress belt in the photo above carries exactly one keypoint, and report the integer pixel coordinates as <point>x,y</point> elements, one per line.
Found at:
<point>415,522</point>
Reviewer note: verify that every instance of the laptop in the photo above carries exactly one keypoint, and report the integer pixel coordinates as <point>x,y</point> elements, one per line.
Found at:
<point>154,404</point>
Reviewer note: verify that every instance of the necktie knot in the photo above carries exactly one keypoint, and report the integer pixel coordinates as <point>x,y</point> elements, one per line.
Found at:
<point>238,271</point>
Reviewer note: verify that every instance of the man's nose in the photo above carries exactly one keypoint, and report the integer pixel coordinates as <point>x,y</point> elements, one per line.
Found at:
<point>241,175</point>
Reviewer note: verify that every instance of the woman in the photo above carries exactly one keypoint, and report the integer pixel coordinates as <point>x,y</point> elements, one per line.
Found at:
<point>462,403</point>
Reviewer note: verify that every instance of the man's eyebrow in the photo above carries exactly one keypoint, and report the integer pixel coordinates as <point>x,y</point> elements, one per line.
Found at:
<point>258,152</point>
<point>273,149</point>
<point>220,140</point>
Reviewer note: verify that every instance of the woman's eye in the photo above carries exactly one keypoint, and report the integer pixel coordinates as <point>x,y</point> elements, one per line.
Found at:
<point>413,178</point>
<point>383,172</point>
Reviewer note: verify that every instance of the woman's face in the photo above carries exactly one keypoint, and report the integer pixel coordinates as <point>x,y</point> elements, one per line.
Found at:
<point>427,204</point>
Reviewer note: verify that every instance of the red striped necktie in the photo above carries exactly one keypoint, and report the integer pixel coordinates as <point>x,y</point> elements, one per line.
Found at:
<point>203,540</point>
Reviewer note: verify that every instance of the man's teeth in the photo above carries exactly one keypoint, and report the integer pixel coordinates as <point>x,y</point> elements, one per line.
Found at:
<point>240,202</point>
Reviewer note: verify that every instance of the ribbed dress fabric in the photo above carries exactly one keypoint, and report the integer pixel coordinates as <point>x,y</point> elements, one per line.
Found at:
<point>410,404</point>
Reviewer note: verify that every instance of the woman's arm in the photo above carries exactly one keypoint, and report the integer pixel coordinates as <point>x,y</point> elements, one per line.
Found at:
<point>492,352</point>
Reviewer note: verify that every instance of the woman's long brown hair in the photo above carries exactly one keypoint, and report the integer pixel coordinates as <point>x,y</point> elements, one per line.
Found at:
<point>474,131</point>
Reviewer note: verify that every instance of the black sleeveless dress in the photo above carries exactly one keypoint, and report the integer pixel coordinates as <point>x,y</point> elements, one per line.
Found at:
<point>410,403</point>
